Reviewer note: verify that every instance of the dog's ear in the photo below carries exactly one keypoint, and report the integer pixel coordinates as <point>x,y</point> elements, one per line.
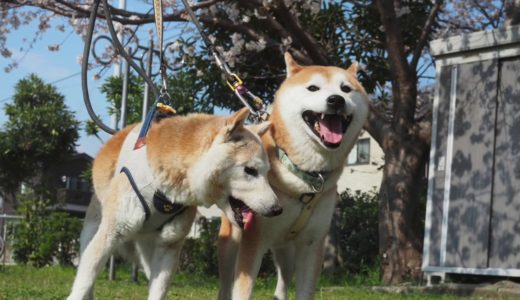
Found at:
<point>261,128</point>
<point>353,69</point>
<point>236,121</point>
<point>291,65</point>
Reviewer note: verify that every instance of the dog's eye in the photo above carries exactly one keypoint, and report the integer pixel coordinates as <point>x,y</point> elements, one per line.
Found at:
<point>251,171</point>
<point>313,88</point>
<point>345,88</point>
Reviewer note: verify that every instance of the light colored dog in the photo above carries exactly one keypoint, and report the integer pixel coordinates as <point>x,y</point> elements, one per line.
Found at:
<point>148,197</point>
<point>316,119</point>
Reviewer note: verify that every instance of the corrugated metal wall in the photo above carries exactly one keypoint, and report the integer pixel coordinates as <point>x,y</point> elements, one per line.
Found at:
<point>475,199</point>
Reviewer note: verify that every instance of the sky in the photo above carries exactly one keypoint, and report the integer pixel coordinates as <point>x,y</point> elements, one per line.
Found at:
<point>60,67</point>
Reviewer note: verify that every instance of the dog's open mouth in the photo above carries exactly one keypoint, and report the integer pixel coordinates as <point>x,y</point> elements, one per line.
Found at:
<point>244,215</point>
<point>330,128</point>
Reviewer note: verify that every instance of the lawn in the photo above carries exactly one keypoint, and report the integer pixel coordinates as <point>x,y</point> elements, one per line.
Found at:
<point>24,282</point>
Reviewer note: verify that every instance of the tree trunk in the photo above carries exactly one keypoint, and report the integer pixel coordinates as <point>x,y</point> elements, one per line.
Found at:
<point>512,12</point>
<point>332,261</point>
<point>400,213</point>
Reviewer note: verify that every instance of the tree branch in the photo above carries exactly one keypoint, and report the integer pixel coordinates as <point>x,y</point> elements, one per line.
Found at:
<point>426,31</point>
<point>311,46</point>
<point>122,16</point>
<point>377,125</point>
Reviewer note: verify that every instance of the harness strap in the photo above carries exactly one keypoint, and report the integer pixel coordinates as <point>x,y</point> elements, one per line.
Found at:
<point>309,200</point>
<point>136,190</point>
<point>315,180</point>
<point>157,7</point>
<point>160,202</point>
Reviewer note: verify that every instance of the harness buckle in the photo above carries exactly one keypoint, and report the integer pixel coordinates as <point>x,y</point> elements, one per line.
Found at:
<point>307,198</point>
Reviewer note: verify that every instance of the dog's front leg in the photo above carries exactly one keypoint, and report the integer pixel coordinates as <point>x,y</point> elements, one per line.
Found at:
<point>284,261</point>
<point>165,262</point>
<point>227,247</point>
<point>93,259</point>
<point>309,260</point>
<point>251,252</point>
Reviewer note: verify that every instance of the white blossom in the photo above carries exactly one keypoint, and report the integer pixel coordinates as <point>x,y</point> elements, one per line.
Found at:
<point>237,39</point>
<point>79,59</point>
<point>175,46</point>
<point>188,50</point>
<point>267,3</point>
<point>315,7</point>
<point>54,47</point>
<point>259,15</point>
<point>286,42</point>
<point>6,53</point>
<point>401,11</point>
<point>256,45</point>
<point>232,12</point>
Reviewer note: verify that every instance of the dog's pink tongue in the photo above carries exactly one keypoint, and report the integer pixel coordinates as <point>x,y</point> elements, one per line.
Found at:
<point>331,129</point>
<point>248,217</point>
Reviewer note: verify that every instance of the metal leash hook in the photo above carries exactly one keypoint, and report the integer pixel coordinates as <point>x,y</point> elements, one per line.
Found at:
<point>250,100</point>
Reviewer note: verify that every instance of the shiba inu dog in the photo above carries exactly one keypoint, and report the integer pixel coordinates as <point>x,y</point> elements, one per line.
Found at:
<point>148,197</point>
<point>316,118</point>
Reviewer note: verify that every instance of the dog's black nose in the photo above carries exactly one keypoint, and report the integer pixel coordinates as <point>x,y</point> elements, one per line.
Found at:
<point>275,211</point>
<point>336,101</point>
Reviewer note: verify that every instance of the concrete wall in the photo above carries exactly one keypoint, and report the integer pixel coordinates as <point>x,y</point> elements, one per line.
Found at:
<point>363,176</point>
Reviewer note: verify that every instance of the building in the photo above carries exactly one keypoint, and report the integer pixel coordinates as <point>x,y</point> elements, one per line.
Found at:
<point>363,167</point>
<point>73,190</point>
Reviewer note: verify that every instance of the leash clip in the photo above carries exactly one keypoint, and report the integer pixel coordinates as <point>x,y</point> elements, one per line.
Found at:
<point>318,186</point>
<point>236,82</point>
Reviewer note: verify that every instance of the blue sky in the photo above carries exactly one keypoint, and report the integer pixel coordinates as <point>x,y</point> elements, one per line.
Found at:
<point>53,66</point>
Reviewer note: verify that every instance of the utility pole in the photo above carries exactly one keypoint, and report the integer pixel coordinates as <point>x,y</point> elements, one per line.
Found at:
<point>113,121</point>
<point>117,63</point>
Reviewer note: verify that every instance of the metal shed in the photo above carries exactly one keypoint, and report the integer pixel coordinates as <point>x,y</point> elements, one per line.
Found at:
<point>472,223</point>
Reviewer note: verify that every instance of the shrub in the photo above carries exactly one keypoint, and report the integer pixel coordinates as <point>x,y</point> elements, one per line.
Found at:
<point>199,255</point>
<point>356,222</point>
<point>42,235</point>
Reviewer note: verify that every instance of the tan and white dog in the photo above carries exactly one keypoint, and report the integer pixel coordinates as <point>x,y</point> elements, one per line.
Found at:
<point>316,118</point>
<point>148,197</point>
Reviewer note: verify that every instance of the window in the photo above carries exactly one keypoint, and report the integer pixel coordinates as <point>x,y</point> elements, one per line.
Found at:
<point>360,153</point>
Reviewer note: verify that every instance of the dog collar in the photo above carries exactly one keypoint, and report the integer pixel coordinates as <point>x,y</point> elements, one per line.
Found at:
<point>315,180</point>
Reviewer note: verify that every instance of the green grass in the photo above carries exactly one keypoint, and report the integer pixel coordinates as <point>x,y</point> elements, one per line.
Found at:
<point>25,282</point>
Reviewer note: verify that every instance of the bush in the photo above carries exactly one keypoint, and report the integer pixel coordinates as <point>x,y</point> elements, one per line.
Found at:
<point>356,222</point>
<point>42,236</point>
<point>199,255</point>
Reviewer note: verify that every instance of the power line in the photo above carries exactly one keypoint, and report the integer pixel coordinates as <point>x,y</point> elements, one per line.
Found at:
<point>53,82</point>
